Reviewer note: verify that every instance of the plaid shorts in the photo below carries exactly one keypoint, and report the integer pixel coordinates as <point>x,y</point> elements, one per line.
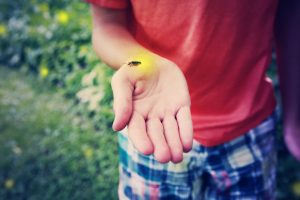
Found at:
<point>243,168</point>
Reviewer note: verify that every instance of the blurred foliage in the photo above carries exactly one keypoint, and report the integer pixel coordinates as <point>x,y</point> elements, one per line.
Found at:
<point>47,152</point>
<point>51,149</point>
<point>52,39</point>
<point>63,148</point>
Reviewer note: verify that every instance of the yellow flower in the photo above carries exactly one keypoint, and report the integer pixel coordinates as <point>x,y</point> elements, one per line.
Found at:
<point>83,50</point>
<point>3,30</point>
<point>88,152</point>
<point>296,188</point>
<point>62,17</point>
<point>9,183</point>
<point>44,71</point>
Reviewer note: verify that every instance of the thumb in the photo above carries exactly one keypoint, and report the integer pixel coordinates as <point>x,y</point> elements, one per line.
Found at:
<point>122,92</point>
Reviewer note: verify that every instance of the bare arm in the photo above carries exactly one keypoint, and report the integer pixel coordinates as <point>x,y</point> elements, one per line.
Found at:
<point>152,99</point>
<point>287,34</point>
<point>111,39</point>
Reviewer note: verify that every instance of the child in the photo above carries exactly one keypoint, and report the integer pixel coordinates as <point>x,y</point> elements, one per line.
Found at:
<point>191,78</point>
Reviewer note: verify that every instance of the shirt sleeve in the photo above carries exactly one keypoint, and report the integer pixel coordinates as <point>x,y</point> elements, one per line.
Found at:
<point>114,4</point>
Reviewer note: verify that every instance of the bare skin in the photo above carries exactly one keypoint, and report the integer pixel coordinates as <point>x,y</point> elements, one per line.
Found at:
<point>154,106</point>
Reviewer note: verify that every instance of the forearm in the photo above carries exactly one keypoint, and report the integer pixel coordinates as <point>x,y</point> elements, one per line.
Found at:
<point>288,51</point>
<point>111,39</point>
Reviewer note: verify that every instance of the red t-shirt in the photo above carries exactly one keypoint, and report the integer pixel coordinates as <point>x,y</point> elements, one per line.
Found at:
<point>223,49</point>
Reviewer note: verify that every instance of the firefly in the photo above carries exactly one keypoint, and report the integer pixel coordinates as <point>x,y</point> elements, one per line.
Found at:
<point>134,63</point>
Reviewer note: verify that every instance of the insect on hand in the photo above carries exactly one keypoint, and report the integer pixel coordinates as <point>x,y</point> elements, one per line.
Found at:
<point>134,63</point>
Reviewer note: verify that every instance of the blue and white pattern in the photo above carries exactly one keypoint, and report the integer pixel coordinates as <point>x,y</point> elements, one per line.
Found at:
<point>241,169</point>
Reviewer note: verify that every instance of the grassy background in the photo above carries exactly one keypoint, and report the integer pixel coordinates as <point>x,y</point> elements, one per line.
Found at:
<point>55,108</point>
<point>45,152</point>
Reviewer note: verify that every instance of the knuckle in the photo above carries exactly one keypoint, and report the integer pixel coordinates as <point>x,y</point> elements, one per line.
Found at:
<point>170,110</point>
<point>126,108</point>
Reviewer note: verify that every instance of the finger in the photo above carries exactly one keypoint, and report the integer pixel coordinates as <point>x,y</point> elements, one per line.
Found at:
<point>122,92</point>
<point>138,135</point>
<point>173,139</point>
<point>156,134</point>
<point>185,126</point>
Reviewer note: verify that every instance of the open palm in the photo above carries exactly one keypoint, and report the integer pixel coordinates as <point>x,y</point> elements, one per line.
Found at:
<point>156,109</point>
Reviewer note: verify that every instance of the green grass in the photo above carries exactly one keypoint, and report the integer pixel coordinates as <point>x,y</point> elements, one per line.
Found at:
<point>47,151</point>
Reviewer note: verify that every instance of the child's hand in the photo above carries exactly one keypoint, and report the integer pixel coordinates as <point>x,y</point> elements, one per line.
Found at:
<point>152,98</point>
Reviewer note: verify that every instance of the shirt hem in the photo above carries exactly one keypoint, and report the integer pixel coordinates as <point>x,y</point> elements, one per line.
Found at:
<point>236,132</point>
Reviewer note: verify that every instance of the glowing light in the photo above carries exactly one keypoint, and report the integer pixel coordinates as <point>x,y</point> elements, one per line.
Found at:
<point>9,183</point>
<point>147,66</point>
<point>3,30</point>
<point>62,17</point>
<point>296,188</point>
<point>44,71</point>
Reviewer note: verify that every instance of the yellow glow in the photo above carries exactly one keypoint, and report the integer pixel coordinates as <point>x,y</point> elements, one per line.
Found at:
<point>9,183</point>
<point>147,66</point>
<point>296,188</point>
<point>3,30</point>
<point>44,71</point>
<point>62,17</point>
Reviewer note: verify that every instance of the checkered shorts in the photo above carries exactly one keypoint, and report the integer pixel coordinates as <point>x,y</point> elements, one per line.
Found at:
<point>243,168</point>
